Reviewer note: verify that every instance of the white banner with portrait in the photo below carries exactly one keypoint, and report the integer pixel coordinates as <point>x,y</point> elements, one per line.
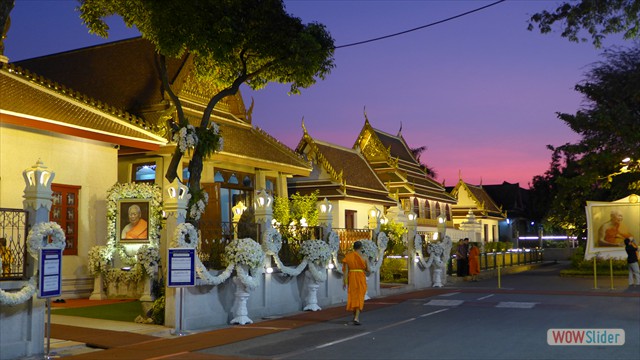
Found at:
<point>609,223</point>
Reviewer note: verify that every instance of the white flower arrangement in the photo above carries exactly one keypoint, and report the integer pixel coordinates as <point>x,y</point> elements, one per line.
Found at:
<point>197,209</point>
<point>244,252</point>
<point>37,238</point>
<point>99,258</point>
<point>186,138</point>
<point>185,236</point>
<point>316,251</point>
<point>149,259</point>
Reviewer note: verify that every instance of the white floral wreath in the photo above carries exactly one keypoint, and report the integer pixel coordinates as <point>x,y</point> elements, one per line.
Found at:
<point>37,238</point>
<point>183,232</point>
<point>35,242</point>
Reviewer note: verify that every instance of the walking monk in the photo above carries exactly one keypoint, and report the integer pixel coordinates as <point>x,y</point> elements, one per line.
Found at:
<point>354,266</point>
<point>474,262</point>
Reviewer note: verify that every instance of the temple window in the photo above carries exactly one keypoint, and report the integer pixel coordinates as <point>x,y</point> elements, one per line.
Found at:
<point>64,211</point>
<point>144,172</point>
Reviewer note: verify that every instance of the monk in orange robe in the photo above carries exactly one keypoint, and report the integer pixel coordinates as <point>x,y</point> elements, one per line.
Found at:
<point>474,262</point>
<point>354,267</point>
<point>137,226</point>
<point>614,231</point>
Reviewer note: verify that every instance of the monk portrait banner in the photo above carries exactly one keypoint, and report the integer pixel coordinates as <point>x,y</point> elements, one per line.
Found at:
<point>609,223</point>
<point>133,221</point>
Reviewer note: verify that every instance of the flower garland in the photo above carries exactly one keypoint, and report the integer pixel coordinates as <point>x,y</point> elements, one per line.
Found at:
<point>185,236</point>
<point>271,244</point>
<point>35,241</point>
<point>198,203</point>
<point>149,259</point>
<point>244,252</point>
<point>186,138</point>
<point>142,191</point>
<point>99,258</point>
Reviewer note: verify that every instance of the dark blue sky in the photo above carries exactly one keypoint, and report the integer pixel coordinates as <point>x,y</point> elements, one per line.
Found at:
<point>481,92</point>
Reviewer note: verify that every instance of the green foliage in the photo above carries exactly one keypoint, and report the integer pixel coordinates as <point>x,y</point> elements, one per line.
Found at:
<point>590,169</point>
<point>237,42</point>
<point>580,266</point>
<point>281,212</point>
<point>598,18</point>
<point>304,206</point>
<point>395,231</point>
<point>497,246</point>
<point>157,310</point>
<point>393,270</point>
<point>288,211</point>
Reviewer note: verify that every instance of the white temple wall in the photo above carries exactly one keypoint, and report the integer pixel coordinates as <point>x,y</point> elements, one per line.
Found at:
<point>75,161</point>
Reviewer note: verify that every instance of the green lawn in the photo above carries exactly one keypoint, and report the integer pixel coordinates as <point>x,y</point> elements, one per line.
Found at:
<point>125,311</point>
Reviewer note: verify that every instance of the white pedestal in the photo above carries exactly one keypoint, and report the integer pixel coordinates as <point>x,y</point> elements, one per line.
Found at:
<point>146,292</point>
<point>240,304</point>
<point>98,289</point>
<point>312,296</point>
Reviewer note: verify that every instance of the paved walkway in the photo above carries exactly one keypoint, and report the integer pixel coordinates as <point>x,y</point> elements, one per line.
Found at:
<point>154,341</point>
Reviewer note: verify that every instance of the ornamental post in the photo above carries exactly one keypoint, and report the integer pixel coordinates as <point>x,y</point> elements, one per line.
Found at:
<point>175,212</point>
<point>325,217</point>
<point>37,192</point>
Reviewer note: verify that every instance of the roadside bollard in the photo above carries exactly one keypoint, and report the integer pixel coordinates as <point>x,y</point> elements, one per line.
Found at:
<point>498,277</point>
<point>611,271</point>
<point>595,275</point>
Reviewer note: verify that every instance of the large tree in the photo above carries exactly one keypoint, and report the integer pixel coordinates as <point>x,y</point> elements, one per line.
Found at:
<point>597,17</point>
<point>609,129</point>
<point>232,42</point>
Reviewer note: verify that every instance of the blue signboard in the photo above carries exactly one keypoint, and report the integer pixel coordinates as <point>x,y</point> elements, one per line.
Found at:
<point>181,269</point>
<point>50,273</point>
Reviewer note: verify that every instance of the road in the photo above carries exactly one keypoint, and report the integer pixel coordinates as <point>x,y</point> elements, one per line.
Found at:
<point>472,321</point>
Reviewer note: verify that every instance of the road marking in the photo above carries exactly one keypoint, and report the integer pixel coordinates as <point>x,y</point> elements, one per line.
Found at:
<point>342,340</point>
<point>486,297</point>
<point>516,305</point>
<point>444,302</point>
<point>433,312</point>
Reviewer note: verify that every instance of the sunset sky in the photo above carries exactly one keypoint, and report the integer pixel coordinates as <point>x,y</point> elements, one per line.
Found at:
<point>480,92</point>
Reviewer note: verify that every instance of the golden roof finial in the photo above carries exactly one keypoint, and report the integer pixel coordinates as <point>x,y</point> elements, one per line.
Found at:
<point>304,128</point>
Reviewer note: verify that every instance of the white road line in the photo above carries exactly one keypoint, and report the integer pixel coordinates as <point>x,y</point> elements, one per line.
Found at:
<point>516,305</point>
<point>444,302</point>
<point>342,340</point>
<point>433,312</point>
<point>485,297</point>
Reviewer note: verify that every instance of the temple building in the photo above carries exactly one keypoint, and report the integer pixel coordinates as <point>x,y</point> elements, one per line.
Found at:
<point>123,77</point>
<point>405,178</point>
<point>474,200</point>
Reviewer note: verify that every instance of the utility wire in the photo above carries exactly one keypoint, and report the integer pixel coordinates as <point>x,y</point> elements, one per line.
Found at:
<point>420,27</point>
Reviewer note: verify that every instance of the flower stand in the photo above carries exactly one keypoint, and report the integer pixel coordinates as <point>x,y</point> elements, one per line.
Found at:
<point>437,277</point>
<point>240,304</point>
<point>98,289</point>
<point>146,291</point>
<point>311,300</point>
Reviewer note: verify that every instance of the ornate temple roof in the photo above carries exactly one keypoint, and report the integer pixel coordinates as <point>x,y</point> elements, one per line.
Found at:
<point>31,100</point>
<point>125,74</point>
<point>395,165</point>
<point>485,206</point>
<point>348,175</point>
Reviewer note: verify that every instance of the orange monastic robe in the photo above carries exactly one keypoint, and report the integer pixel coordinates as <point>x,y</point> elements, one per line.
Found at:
<point>139,231</point>
<point>474,261</point>
<point>354,267</point>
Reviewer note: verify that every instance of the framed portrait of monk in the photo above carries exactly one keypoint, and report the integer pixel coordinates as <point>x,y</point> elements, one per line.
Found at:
<point>133,221</point>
